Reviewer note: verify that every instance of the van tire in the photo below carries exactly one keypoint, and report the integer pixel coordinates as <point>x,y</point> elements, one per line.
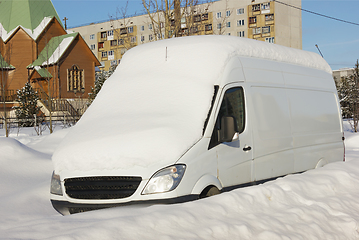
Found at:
<point>209,191</point>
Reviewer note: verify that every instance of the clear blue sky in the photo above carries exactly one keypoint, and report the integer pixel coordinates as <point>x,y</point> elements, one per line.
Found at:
<point>338,42</point>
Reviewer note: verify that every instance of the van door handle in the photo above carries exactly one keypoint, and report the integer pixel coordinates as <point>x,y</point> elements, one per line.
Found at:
<point>247,148</point>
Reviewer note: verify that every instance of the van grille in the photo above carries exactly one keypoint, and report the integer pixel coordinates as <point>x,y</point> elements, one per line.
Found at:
<point>106,187</point>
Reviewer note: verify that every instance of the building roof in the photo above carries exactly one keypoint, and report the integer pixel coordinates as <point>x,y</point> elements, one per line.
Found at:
<point>43,72</point>
<point>54,50</point>
<point>31,15</point>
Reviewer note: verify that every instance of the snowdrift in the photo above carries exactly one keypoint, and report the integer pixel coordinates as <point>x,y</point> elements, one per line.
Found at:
<point>318,204</point>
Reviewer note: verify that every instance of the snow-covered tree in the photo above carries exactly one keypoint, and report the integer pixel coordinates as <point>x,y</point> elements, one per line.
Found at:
<point>27,107</point>
<point>348,92</point>
<point>101,77</point>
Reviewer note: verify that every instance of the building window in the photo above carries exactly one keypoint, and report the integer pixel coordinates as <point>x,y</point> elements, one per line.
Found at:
<point>92,36</point>
<point>93,46</point>
<point>269,17</point>
<point>252,20</point>
<point>256,7</point>
<point>75,79</point>
<point>229,34</point>
<point>219,26</point>
<point>133,39</point>
<point>130,29</point>
<point>121,42</point>
<point>208,27</point>
<point>219,15</point>
<point>266,29</point>
<point>240,34</point>
<point>142,28</point>
<point>228,13</point>
<point>111,55</point>
<point>113,62</point>
<point>205,17</point>
<point>197,18</point>
<point>257,30</point>
<point>123,51</point>
<point>270,40</point>
<point>104,54</point>
<point>113,43</point>
<point>228,24</point>
<point>150,26</point>
<point>240,22</point>
<point>265,6</point>
<point>110,33</point>
<point>162,24</point>
<point>240,11</point>
<point>194,29</point>
<point>142,38</point>
<point>123,31</point>
<point>150,37</point>
<point>100,45</point>
<point>103,34</point>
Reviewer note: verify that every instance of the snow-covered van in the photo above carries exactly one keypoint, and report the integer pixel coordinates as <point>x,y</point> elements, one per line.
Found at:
<point>186,118</point>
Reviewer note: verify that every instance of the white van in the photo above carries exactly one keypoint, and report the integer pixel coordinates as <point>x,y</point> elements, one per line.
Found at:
<point>190,117</point>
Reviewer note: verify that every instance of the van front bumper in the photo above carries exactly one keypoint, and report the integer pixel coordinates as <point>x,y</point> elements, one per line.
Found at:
<point>66,208</point>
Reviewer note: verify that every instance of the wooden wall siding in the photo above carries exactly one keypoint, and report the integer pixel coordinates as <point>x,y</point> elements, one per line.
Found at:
<point>80,55</point>
<point>6,76</point>
<point>42,84</point>
<point>2,46</point>
<point>54,29</point>
<point>21,47</point>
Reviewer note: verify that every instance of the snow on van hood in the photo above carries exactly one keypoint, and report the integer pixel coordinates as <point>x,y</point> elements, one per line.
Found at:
<point>153,108</point>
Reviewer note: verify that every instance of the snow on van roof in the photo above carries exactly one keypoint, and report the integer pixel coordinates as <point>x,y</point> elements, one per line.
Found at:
<point>153,108</point>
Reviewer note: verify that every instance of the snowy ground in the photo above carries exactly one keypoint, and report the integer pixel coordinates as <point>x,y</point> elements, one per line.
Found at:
<point>318,204</point>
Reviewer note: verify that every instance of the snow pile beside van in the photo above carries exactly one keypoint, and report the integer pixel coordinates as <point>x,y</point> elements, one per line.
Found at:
<point>154,107</point>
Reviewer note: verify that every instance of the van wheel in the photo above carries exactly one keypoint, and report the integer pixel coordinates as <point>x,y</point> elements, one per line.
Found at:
<point>209,191</point>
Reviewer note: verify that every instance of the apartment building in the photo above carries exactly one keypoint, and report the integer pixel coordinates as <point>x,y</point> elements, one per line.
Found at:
<point>264,20</point>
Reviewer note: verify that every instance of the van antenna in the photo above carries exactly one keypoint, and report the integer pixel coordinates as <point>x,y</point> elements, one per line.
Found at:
<point>319,50</point>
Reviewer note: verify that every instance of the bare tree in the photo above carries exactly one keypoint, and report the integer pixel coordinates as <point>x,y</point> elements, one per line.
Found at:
<point>122,37</point>
<point>175,18</point>
<point>222,20</point>
<point>6,70</point>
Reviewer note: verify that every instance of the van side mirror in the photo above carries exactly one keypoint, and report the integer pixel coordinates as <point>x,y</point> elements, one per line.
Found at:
<point>228,129</point>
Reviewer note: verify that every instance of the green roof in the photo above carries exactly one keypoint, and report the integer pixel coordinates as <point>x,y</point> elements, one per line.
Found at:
<point>26,13</point>
<point>4,64</point>
<point>54,49</point>
<point>43,72</point>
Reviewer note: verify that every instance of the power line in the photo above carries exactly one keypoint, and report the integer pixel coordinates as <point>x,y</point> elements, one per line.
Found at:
<point>322,15</point>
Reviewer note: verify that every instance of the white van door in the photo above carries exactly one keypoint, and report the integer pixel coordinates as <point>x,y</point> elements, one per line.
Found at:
<point>234,156</point>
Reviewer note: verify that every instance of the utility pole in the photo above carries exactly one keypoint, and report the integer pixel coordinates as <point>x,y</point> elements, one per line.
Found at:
<point>65,19</point>
<point>177,17</point>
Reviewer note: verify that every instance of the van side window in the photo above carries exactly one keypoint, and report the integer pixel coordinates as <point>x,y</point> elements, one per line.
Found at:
<point>232,105</point>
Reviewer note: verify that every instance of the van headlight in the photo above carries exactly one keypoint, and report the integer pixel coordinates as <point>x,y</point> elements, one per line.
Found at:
<point>55,184</point>
<point>165,180</point>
